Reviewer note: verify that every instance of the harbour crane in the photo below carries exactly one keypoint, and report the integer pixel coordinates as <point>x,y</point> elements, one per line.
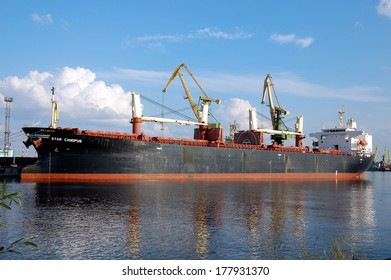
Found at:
<point>275,112</point>
<point>278,134</point>
<point>201,113</point>
<point>205,100</point>
<point>375,154</point>
<point>386,161</point>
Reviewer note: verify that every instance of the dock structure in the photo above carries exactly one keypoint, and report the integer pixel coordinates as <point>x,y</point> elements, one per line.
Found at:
<point>12,166</point>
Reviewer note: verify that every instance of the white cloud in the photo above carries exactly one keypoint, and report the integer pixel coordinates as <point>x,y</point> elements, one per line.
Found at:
<point>42,19</point>
<point>235,109</point>
<point>81,76</point>
<point>201,34</point>
<point>292,38</point>
<point>283,38</point>
<point>214,33</point>
<point>82,99</point>
<point>384,8</point>
<point>304,42</point>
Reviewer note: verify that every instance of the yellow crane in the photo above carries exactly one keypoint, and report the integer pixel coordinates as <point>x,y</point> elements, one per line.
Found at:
<point>386,156</point>
<point>203,99</point>
<point>375,154</point>
<point>276,112</point>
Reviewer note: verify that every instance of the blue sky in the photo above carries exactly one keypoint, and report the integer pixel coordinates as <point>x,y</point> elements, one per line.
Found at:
<point>321,55</point>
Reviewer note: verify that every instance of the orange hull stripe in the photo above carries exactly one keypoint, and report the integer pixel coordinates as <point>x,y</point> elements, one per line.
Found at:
<point>79,177</point>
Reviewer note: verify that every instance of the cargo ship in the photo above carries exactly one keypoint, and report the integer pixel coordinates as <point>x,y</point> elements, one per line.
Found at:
<point>73,154</point>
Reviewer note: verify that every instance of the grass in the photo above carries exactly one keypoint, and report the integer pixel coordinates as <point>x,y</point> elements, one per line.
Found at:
<point>6,200</point>
<point>336,252</point>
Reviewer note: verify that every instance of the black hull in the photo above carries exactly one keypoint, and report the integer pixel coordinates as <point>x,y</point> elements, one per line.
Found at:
<point>69,155</point>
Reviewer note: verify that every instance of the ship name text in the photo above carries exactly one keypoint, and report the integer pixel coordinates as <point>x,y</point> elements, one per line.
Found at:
<point>60,139</point>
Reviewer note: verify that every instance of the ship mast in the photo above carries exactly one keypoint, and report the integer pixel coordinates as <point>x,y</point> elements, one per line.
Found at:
<point>341,112</point>
<point>55,113</point>
<point>7,145</point>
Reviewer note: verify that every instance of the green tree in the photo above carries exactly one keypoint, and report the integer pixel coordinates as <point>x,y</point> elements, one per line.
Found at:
<point>6,200</point>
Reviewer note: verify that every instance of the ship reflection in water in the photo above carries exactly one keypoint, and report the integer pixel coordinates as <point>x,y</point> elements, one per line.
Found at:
<point>193,220</point>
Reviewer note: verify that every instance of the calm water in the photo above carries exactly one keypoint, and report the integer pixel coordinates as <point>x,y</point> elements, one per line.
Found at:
<point>192,220</point>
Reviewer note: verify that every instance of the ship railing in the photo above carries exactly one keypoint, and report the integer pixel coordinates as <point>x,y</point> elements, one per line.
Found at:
<point>244,146</point>
<point>330,152</point>
<point>73,129</point>
<point>117,135</point>
<point>181,141</point>
<point>290,149</point>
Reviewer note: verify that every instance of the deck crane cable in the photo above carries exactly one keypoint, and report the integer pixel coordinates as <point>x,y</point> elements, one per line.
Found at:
<point>172,112</point>
<point>288,121</point>
<point>167,108</point>
<point>15,136</point>
<point>269,119</point>
<point>162,124</point>
<point>210,113</point>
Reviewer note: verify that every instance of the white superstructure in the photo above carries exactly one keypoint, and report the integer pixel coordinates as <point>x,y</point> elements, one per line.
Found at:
<point>348,139</point>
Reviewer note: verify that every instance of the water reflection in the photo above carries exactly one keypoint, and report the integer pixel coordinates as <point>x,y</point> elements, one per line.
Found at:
<point>201,219</point>
<point>134,232</point>
<point>198,220</point>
